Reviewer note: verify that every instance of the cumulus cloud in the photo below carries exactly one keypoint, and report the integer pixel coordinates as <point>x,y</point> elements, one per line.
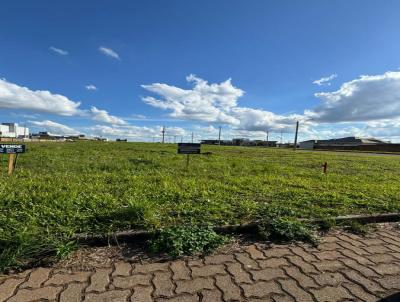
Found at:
<point>205,102</point>
<point>109,52</point>
<point>90,87</point>
<point>54,128</point>
<point>135,132</point>
<point>214,103</point>
<point>59,51</point>
<point>325,80</point>
<point>13,96</point>
<point>104,117</point>
<point>364,99</point>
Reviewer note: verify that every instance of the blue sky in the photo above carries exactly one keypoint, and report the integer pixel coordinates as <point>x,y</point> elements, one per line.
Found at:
<point>155,63</point>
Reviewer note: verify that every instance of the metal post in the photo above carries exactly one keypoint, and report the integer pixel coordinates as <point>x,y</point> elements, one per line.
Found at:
<point>267,138</point>
<point>192,137</point>
<point>163,134</point>
<point>219,136</point>
<point>295,137</point>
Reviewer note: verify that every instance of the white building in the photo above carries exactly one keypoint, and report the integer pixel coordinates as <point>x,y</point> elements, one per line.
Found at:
<point>13,130</point>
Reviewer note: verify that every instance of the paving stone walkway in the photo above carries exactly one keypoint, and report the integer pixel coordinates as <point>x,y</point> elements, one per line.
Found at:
<point>344,267</point>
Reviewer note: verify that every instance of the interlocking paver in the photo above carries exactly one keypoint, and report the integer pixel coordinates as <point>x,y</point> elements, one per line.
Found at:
<point>219,259</point>
<point>240,275</point>
<point>113,295</point>
<point>180,270</point>
<point>304,280</point>
<point>268,274</point>
<point>291,287</point>
<point>277,252</point>
<point>357,291</point>
<point>368,284</point>
<point>331,294</point>
<point>122,269</point>
<point>247,262</point>
<point>229,290</point>
<point>387,268</point>
<point>44,293</point>
<point>63,278</point>
<point>389,282</point>
<point>329,265</point>
<point>306,267</point>
<point>99,280</point>
<point>308,257</point>
<point>195,285</point>
<point>208,270</point>
<point>344,267</point>
<point>142,294</point>
<point>273,262</point>
<point>37,278</point>
<point>8,287</point>
<point>254,252</point>
<point>149,268</point>
<point>131,281</point>
<point>260,289</point>
<point>73,292</point>
<point>330,279</point>
<point>163,284</point>
<point>211,296</point>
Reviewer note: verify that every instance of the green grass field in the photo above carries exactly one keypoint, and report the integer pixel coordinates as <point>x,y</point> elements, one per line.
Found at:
<point>60,189</point>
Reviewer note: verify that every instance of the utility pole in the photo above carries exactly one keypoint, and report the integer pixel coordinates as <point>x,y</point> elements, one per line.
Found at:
<point>181,139</point>
<point>281,135</point>
<point>267,137</point>
<point>219,136</point>
<point>163,134</point>
<point>295,137</point>
<point>192,137</point>
<point>174,139</point>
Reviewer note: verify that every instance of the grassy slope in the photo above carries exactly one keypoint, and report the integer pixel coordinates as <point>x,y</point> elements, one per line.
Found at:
<point>64,188</point>
<point>75,187</point>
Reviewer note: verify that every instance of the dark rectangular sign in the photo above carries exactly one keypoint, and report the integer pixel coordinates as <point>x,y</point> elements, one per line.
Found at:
<point>12,149</point>
<point>189,148</point>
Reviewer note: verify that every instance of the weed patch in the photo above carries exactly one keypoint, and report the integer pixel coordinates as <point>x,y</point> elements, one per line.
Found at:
<point>280,224</point>
<point>186,240</point>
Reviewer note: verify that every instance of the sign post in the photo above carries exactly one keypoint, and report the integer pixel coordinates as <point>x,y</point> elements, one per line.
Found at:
<point>188,148</point>
<point>12,151</point>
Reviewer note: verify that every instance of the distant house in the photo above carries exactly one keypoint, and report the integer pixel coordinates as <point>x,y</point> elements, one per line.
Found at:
<point>13,130</point>
<point>351,143</point>
<point>240,142</point>
<point>345,142</point>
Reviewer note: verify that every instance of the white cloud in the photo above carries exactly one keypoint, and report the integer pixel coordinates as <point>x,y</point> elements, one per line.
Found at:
<point>59,50</point>
<point>90,87</point>
<point>215,103</point>
<point>364,99</point>
<point>109,52</point>
<point>13,96</point>
<point>54,128</point>
<point>205,102</point>
<point>325,80</point>
<point>104,117</point>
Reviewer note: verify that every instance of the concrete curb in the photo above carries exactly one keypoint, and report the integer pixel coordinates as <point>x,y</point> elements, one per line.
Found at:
<point>247,228</point>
